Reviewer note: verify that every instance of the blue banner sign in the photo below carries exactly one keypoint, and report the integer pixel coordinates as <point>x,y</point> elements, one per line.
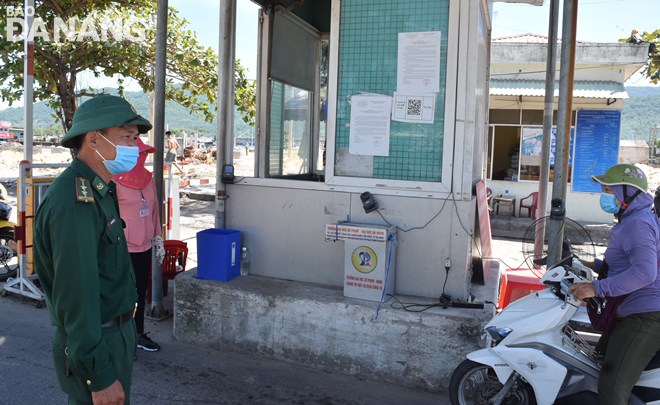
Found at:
<point>596,146</point>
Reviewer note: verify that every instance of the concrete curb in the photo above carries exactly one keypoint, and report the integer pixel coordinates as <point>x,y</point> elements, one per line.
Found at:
<point>316,326</point>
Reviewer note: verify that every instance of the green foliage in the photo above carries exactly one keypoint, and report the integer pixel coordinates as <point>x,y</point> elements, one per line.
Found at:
<point>192,69</point>
<point>640,112</point>
<point>652,68</point>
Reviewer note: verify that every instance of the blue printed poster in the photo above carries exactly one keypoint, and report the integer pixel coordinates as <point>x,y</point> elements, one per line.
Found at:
<point>531,146</point>
<point>596,146</point>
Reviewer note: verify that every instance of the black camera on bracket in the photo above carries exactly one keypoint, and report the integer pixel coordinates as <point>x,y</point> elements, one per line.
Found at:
<point>368,202</point>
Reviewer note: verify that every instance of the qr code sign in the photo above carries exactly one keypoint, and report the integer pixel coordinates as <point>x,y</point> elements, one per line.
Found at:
<point>414,107</point>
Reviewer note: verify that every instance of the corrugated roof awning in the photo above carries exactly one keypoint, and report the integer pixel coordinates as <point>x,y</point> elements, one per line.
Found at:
<point>536,88</point>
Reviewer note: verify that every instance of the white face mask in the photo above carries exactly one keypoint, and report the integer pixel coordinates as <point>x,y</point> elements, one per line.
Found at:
<point>124,161</point>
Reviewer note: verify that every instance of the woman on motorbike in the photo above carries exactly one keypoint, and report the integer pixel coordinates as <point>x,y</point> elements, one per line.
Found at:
<point>632,256</point>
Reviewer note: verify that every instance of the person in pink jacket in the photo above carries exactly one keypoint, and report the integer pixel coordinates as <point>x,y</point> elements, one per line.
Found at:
<point>138,207</point>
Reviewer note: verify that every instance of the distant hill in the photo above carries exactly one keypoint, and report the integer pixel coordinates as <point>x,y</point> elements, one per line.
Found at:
<point>640,112</point>
<point>177,117</point>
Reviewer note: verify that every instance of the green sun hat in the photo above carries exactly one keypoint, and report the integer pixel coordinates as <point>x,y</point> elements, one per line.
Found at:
<point>103,112</point>
<point>623,173</point>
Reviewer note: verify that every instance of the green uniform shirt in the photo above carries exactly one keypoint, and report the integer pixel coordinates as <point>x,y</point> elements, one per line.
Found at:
<point>84,267</point>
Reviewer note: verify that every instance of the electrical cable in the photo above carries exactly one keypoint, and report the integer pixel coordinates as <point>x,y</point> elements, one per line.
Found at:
<point>495,258</point>
<point>417,227</point>
<point>387,272</point>
<point>444,299</point>
<point>406,305</point>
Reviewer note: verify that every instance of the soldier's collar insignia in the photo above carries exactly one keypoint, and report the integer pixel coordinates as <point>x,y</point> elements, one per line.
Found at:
<point>100,186</point>
<point>84,190</point>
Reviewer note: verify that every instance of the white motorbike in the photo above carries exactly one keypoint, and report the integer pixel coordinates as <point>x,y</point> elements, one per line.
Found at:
<point>536,357</point>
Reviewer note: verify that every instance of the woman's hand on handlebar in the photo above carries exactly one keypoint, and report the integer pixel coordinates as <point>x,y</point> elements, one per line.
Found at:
<point>582,291</point>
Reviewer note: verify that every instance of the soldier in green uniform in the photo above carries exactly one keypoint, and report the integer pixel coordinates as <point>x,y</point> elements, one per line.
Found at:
<point>82,260</point>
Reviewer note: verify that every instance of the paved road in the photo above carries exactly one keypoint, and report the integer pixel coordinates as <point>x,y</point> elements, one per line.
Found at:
<point>187,374</point>
<point>181,373</point>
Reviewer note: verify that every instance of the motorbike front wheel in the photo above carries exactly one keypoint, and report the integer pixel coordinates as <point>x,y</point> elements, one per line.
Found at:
<point>475,384</point>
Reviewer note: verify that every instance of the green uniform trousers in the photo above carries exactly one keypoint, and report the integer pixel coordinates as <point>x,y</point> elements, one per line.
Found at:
<point>121,341</point>
<point>630,346</point>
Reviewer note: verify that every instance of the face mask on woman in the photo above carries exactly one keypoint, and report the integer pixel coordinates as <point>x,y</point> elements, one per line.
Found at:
<point>125,160</point>
<point>608,203</point>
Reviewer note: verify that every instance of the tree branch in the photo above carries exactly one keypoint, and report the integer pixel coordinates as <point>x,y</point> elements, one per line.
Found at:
<point>47,55</point>
<point>55,6</point>
<point>85,94</point>
<point>75,7</point>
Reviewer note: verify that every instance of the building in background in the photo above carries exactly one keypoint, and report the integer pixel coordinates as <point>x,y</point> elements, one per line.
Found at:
<point>633,151</point>
<point>517,89</point>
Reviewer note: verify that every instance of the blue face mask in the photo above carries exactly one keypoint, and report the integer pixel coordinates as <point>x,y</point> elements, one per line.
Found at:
<point>608,203</point>
<point>125,161</point>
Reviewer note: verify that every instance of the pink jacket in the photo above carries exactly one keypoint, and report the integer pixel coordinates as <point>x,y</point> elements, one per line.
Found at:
<point>139,229</point>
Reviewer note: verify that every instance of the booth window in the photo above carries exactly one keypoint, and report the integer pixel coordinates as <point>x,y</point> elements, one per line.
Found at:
<point>506,152</point>
<point>530,158</point>
<point>293,103</point>
<point>290,130</point>
<point>515,153</point>
<point>368,52</point>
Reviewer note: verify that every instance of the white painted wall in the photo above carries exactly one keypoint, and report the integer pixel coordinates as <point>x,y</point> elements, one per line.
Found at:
<point>592,61</point>
<point>283,229</point>
<point>633,154</point>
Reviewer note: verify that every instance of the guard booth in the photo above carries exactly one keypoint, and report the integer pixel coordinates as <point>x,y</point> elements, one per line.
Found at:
<point>352,60</point>
<point>388,97</point>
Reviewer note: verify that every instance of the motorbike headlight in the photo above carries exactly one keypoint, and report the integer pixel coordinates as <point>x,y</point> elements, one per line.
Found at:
<point>497,333</point>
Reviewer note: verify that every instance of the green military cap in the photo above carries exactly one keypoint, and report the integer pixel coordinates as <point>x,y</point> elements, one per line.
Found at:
<point>102,112</point>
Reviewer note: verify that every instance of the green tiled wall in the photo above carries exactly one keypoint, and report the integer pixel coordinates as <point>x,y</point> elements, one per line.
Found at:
<point>368,47</point>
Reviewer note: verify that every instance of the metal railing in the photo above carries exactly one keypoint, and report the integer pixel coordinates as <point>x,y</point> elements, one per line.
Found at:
<point>23,284</point>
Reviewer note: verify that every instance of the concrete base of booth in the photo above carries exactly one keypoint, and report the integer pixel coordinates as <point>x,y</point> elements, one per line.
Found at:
<point>317,326</point>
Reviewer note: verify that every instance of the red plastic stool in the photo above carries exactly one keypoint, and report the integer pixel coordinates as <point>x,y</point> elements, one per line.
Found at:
<point>516,283</point>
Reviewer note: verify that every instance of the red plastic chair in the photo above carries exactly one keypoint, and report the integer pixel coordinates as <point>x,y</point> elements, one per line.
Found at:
<point>531,207</point>
<point>176,253</point>
<point>489,196</point>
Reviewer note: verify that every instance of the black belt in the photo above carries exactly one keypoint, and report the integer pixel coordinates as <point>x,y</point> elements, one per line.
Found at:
<point>118,320</point>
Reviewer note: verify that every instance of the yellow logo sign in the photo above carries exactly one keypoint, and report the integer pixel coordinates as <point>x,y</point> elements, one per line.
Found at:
<point>364,259</point>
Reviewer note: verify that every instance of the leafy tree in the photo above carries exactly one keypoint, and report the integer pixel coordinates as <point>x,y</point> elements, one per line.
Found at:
<point>192,69</point>
<point>652,68</point>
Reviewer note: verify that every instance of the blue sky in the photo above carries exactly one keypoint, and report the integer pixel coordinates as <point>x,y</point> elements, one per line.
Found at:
<point>598,21</point>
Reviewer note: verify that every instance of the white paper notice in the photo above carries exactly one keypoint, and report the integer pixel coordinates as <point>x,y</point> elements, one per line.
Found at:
<point>370,125</point>
<point>418,68</point>
<point>419,109</point>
